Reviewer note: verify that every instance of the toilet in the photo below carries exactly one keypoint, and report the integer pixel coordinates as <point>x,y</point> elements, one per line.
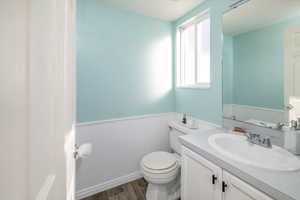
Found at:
<point>162,169</point>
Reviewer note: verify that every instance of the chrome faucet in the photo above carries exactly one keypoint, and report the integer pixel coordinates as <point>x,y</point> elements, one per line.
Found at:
<point>257,139</point>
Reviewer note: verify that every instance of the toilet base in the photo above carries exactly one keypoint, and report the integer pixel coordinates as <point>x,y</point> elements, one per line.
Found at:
<point>169,191</point>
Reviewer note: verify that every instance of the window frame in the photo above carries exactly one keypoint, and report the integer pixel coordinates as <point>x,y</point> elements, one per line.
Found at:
<point>179,49</point>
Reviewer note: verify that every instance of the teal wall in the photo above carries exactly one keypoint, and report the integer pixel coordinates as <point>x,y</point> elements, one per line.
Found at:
<point>228,67</point>
<point>258,67</point>
<point>124,63</point>
<point>205,104</point>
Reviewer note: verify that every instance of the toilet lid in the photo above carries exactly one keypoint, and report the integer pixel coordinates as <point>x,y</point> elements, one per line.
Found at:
<point>159,160</point>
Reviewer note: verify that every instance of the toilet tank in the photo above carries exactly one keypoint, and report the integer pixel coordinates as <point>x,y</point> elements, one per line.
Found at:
<point>173,139</point>
<point>177,129</point>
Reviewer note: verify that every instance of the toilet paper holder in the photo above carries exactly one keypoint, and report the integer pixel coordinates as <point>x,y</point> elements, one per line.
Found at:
<point>82,151</point>
<point>75,154</point>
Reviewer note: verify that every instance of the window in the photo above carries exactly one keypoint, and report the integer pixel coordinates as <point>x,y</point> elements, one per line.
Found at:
<point>193,67</point>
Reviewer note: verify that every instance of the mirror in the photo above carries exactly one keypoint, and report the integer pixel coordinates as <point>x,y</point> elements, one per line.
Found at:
<point>261,60</point>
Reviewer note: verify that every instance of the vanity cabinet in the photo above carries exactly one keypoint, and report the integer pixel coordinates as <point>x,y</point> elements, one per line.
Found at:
<point>239,190</point>
<point>201,179</point>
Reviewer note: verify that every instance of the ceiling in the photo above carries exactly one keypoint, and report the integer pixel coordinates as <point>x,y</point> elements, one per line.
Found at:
<point>259,13</point>
<point>168,10</point>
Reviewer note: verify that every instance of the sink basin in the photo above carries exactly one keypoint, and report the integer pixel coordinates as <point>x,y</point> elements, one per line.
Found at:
<point>238,148</point>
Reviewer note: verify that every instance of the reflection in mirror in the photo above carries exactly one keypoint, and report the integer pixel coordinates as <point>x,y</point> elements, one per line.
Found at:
<point>261,62</point>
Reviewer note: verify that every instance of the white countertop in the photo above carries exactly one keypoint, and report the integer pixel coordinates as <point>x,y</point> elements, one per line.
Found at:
<point>278,185</point>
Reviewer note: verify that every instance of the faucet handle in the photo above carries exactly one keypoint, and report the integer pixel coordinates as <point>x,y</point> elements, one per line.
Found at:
<point>267,142</point>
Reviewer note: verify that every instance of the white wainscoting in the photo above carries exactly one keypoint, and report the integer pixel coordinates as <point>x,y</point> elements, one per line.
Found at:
<point>118,146</point>
<point>243,113</point>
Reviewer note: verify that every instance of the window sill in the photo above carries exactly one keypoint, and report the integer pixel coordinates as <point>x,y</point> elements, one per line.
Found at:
<point>198,86</point>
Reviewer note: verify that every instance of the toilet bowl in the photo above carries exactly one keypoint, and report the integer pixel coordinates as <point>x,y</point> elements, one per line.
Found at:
<point>162,171</point>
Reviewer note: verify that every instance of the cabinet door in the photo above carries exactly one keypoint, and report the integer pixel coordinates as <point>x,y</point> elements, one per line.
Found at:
<point>237,189</point>
<point>201,180</point>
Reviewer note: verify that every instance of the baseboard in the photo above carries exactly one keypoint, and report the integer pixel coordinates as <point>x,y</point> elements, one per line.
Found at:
<point>107,185</point>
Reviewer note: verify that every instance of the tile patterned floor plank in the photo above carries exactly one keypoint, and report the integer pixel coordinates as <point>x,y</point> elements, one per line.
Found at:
<point>135,190</point>
<point>130,194</point>
<point>140,195</point>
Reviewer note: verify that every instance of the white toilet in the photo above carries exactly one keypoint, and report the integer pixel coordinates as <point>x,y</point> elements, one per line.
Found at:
<point>162,169</point>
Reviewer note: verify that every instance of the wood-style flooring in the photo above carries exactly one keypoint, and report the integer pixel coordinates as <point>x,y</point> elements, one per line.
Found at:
<point>135,190</point>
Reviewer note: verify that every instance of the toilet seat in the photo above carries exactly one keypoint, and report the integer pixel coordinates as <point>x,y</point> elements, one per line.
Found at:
<point>159,162</point>
<point>161,171</point>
